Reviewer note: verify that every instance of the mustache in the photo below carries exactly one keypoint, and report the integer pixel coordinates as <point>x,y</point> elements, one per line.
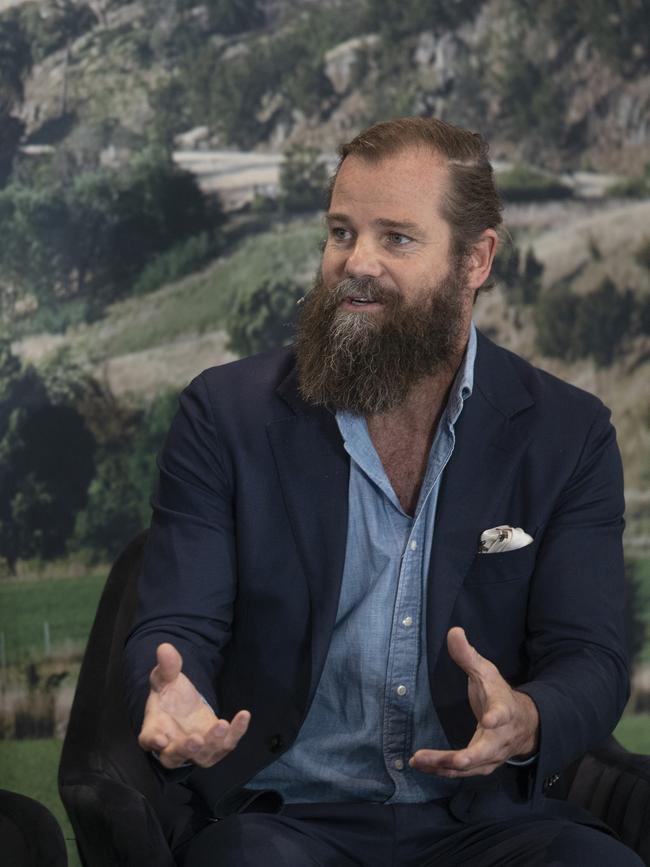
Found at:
<point>360,287</point>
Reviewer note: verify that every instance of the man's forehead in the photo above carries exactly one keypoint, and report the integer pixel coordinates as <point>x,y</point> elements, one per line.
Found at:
<point>406,178</point>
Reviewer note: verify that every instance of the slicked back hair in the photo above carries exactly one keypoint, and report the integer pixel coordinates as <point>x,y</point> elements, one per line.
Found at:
<point>471,203</point>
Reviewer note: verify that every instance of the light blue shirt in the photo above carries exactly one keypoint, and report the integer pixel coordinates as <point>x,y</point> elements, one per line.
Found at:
<point>372,708</point>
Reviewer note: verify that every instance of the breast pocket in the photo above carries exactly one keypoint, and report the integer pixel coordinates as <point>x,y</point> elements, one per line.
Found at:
<point>506,566</point>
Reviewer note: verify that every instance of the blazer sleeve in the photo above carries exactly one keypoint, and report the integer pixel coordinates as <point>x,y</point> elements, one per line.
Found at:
<point>578,674</point>
<point>188,582</point>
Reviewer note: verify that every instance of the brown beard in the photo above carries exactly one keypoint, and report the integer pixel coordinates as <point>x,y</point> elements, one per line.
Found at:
<point>366,363</point>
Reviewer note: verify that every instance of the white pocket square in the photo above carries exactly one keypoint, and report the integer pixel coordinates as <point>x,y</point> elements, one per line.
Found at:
<point>503,538</point>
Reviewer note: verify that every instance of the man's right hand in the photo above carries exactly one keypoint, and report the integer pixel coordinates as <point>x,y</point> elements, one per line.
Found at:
<point>178,725</point>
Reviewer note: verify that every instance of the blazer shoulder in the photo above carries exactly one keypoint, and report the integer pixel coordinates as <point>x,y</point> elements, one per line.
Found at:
<point>550,394</point>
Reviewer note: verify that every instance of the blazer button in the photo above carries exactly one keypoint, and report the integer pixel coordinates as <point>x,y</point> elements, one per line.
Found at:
<point>276,743</point>
<point>551,781</point>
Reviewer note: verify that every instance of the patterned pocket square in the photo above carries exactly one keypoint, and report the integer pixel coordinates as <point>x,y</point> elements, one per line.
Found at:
<point>504,538</point>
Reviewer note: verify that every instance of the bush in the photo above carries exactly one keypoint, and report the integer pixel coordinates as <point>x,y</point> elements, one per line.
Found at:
<point>525,184</point>
<point>303,180</point>
<point>263,319</point>
<point>46,463</point>
<point>184,258</point>
<point>571,326</point>
<point>636,187</point>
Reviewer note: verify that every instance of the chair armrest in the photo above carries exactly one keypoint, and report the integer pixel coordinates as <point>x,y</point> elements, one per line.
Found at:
<point>114,824</point>
<point>614,785</point>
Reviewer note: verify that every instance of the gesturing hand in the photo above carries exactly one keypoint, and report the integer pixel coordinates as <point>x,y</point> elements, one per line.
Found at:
<point>178,724</point>
<point>507,721</point>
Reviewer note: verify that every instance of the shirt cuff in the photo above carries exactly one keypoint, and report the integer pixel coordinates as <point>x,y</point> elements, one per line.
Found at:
<point>522,763</point>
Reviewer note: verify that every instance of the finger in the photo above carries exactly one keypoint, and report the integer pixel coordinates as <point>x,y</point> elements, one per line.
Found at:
<point>169,666</point>
<point>450,763</point>
<point>222,738</point>
<point>463,654</point>
<point>497,714</point>
<point>182,750</point>
<point>153,739</point>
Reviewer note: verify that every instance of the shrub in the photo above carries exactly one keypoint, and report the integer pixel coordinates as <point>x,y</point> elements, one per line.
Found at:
<point>303,180</point>
<point>184,258</point>
<point>263,319</point>
<point>525,184</point>
<point>635,187</point>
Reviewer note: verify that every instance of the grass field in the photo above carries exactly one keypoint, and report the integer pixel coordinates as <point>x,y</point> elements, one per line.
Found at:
<point>67,605</point>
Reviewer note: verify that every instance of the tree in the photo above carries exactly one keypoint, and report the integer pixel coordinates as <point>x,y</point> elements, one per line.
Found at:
<point>119,495</point>
<point>555,318</point>
<point>263,319</point>
<point>303,180</point>
<point>603,319</point>
<point>46,463</point>
<point>15,63</point>
<point>91,238</point>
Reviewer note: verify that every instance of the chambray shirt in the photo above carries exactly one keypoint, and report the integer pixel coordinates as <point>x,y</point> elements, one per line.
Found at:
<point>372,708</point>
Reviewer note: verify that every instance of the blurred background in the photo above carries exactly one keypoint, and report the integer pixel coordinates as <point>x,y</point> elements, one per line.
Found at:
<point>162,168</point>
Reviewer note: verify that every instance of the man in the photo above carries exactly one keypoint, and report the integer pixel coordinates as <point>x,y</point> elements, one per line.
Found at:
<point>382,595</point>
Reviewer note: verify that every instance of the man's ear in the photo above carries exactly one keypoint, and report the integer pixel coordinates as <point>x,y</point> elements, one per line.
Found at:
<point>479,261</point>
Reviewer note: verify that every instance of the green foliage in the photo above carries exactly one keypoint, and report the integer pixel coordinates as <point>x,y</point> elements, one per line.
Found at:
<point>521,285</point>
<point>525,184</point>
<point>303,180</point>
<point>46,463</point>
<point>182,259</point>
<point>15,60</point>
<point>118,496</point>
<point>571,326</point>
<point>635,187</point>
<point>635,626</point>
<point>263,319</point>
<point>413,16</point>
<point>642,255</point>
<point>50,26</point>
<point>234,16</point>
<point>92,238</point>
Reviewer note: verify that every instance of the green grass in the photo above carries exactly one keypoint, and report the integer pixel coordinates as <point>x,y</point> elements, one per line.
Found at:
<point>30,768</point>
<point>633,732</point>
<point>642,574</point>
<point>199,303</point>
<point>68,605</point>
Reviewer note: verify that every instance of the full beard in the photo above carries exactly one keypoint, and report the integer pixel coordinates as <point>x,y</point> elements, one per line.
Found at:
<point>366,363</point>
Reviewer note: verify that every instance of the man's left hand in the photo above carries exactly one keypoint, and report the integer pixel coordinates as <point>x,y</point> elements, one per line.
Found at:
<point>507,720</point>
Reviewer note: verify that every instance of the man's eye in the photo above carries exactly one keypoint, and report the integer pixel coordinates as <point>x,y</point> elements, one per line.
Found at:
<point>398,240</point>
<point>339,233</point>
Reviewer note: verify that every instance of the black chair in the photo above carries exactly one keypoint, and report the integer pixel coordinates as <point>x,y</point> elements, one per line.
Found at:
<point>30,836</point>
<point>122,813</point>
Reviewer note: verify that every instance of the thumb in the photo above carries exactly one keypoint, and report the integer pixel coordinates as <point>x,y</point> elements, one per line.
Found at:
<point>169,666</point>
<point>462,652</point>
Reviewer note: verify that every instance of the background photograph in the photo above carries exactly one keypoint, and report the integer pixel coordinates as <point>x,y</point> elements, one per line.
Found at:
<point>163,167</point>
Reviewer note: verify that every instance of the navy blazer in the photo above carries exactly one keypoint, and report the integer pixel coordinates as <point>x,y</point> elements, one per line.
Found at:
<point>245,555</point>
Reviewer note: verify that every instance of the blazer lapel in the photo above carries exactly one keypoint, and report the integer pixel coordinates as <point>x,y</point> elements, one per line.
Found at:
<point>314,470</point>
<point>491,435</point>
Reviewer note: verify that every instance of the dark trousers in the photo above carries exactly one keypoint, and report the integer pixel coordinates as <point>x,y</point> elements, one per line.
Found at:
<point>405,835</point>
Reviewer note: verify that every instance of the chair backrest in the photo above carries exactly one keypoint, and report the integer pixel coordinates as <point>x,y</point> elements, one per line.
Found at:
<point>103,773</point>
<point>30,836</point>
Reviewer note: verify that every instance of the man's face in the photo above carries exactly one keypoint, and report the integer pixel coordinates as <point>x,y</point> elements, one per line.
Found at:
<point>384,223</point>
<point>390,307</point>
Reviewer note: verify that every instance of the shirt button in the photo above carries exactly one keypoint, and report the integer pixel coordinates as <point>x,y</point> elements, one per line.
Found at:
<point>408,621</point>
<point>401,689</point>
<point>414,545</point>
<point>398,764</point>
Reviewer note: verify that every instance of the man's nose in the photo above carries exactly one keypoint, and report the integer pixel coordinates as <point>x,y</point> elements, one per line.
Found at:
<point>364,260</point>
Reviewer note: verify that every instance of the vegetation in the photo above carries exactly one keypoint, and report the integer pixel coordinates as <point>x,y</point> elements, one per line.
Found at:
<point>46,464</point>
<point>635,187</point>
<point>90,237</point>
<point>526,184</point>
<point>263,319</point>
<point>571,326</point>
<point>303,180</point>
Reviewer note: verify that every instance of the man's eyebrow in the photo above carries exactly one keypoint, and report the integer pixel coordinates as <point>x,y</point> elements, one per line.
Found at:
<point>382,222</point>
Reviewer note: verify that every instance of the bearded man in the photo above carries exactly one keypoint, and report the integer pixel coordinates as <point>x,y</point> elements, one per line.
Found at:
<point>381,604</point>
